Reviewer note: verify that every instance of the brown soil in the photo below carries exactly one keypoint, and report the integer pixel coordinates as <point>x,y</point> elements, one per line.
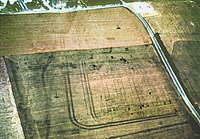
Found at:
<point>36,33</point>
<point>98,93</point>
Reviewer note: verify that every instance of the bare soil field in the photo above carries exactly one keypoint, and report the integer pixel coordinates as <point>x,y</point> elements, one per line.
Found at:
<point>98,93</point>
<point>36,33</point>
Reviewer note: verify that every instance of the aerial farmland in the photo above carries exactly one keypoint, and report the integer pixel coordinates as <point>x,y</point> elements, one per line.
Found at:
<point>88,69</point>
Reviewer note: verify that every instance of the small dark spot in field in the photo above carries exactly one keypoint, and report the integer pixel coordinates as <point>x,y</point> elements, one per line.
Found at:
<point>149,93</point>
<point>123,59</point>
<point>118,27</point>
<point>91,57</point>
<point>72,65</point>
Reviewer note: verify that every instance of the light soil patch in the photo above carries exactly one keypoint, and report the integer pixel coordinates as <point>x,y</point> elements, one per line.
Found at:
<point>144,8</point>
<point>36,33</point>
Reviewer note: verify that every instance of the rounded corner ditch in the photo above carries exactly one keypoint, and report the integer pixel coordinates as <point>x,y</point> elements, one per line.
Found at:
<point>79,124</point>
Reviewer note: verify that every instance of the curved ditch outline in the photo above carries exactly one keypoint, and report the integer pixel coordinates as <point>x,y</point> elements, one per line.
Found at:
<point>73,119</point>
<point>164,60</point>
<point>161,54</point>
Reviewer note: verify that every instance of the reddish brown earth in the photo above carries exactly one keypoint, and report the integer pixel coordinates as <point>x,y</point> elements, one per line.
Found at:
<point>36,33</point>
